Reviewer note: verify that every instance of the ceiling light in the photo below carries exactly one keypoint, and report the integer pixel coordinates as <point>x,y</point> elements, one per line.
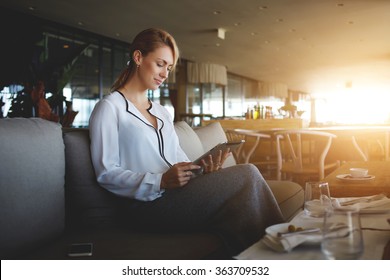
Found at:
<point>221,33</point>
<point>217,12</point>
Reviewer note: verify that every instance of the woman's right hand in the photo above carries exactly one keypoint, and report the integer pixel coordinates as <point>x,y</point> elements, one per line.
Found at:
<point>178,175</point>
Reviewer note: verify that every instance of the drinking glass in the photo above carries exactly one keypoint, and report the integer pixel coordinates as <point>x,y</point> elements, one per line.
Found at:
<point>317,198</point>
<point>342,235</point>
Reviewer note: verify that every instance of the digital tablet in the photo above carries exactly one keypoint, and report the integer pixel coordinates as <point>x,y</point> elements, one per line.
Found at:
<point>220,147</point>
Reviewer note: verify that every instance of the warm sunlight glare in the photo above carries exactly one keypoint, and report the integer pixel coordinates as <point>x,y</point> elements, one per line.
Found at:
<point>354,106</point>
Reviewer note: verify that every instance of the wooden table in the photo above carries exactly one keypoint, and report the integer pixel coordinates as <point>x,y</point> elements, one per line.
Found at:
<point>343,188</point>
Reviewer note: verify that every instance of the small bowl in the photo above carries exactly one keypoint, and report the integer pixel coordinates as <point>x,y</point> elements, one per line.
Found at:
<point>358,172</point>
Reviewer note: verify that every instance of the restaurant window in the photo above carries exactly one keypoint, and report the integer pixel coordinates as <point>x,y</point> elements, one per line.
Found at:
<point>162,97</point>
<point>94,76</point>
<point>194,98</point>
<point>243,94</point>
<point>235,99</point>
<point>205,99</point>
<point>212,102</point>
<point>194,103</point>
<point>79,66</point>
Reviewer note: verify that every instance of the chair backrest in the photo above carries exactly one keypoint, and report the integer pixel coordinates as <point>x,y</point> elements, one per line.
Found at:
<point>302,147</point>
<point>252,140</point>
<point>372,145</point>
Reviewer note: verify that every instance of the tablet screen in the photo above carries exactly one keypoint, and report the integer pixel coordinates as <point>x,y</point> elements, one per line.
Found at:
<point>220,147</point>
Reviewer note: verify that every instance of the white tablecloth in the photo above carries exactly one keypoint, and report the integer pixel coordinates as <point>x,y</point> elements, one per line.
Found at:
<point>374,242</point>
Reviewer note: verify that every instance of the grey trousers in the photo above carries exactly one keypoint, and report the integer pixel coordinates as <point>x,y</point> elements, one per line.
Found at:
<point>235,203</point>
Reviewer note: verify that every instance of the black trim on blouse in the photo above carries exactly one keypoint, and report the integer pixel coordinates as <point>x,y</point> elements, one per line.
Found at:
<point>159,134</point>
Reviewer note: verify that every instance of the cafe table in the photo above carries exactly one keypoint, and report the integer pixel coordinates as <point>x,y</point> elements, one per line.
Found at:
<point>378,181</point>
<point>376,242</point>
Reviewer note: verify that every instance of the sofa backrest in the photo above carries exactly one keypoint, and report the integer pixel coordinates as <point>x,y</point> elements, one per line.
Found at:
<point>32,167</point>
<point>189,140</point>
<point>198,140</point>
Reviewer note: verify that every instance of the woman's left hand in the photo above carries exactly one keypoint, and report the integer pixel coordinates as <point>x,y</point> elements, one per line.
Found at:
<point>212,164</point>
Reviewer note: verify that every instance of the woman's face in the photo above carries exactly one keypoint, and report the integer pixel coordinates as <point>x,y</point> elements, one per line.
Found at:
<point>155,67</point>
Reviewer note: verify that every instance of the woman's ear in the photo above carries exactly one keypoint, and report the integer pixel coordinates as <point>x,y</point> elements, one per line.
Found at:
<point>137,57</point>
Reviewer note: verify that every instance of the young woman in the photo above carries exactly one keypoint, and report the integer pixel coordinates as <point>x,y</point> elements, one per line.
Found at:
<point>136,155</point>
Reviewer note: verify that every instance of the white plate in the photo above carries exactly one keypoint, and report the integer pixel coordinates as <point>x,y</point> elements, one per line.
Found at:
<point>274,229</point>
<point>348,177</point>
<point>283,228</point>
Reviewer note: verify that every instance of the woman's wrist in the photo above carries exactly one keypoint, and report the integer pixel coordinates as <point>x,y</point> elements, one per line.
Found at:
<point>163,184</point>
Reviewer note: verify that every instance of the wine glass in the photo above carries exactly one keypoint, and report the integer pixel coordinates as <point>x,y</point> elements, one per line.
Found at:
<point>342,234</point>
<point>317,198</point>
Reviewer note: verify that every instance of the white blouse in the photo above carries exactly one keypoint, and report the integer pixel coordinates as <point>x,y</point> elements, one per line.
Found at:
<point>129,155</point>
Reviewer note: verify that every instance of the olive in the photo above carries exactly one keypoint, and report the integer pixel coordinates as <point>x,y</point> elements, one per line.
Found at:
<point>291,228</point>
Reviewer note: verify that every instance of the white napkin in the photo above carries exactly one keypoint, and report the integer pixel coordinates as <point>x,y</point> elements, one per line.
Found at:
<point>289,242</point>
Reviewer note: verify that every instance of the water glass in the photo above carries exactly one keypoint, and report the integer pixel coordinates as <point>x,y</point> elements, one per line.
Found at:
<point>342,235</point>
<point>317,198</point>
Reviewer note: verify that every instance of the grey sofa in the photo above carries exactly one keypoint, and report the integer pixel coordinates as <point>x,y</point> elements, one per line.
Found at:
<point>49,198</point>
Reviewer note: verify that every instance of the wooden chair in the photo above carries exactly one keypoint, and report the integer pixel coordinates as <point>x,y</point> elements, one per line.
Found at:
<point>303,152</point>
<point>252,140</point>
<point>372,146</point>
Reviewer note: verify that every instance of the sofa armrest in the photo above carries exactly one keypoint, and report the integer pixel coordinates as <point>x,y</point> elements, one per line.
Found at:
<point>289,196</point>
<point>32,199</point>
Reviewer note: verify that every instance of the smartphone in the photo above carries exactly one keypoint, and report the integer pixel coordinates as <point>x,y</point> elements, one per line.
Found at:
<point>80,250</point>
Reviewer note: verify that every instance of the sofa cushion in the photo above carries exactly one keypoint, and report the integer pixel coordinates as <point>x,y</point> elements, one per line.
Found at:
<point>211,135</point>
<point>88,204</point>
<point>189,140</point>
<point>289,196</point>
<point>32,201</point>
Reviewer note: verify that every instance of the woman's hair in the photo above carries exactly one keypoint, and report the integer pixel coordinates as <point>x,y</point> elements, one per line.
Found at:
<point>146,41</point>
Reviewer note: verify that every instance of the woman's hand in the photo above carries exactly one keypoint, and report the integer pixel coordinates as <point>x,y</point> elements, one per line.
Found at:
<point>214,164</point>
<point>178,175</point>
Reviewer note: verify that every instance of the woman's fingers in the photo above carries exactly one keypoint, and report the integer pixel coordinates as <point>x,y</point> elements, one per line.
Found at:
<point>225,155</point>
<point>213,164</point>
<point>178,175</point>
